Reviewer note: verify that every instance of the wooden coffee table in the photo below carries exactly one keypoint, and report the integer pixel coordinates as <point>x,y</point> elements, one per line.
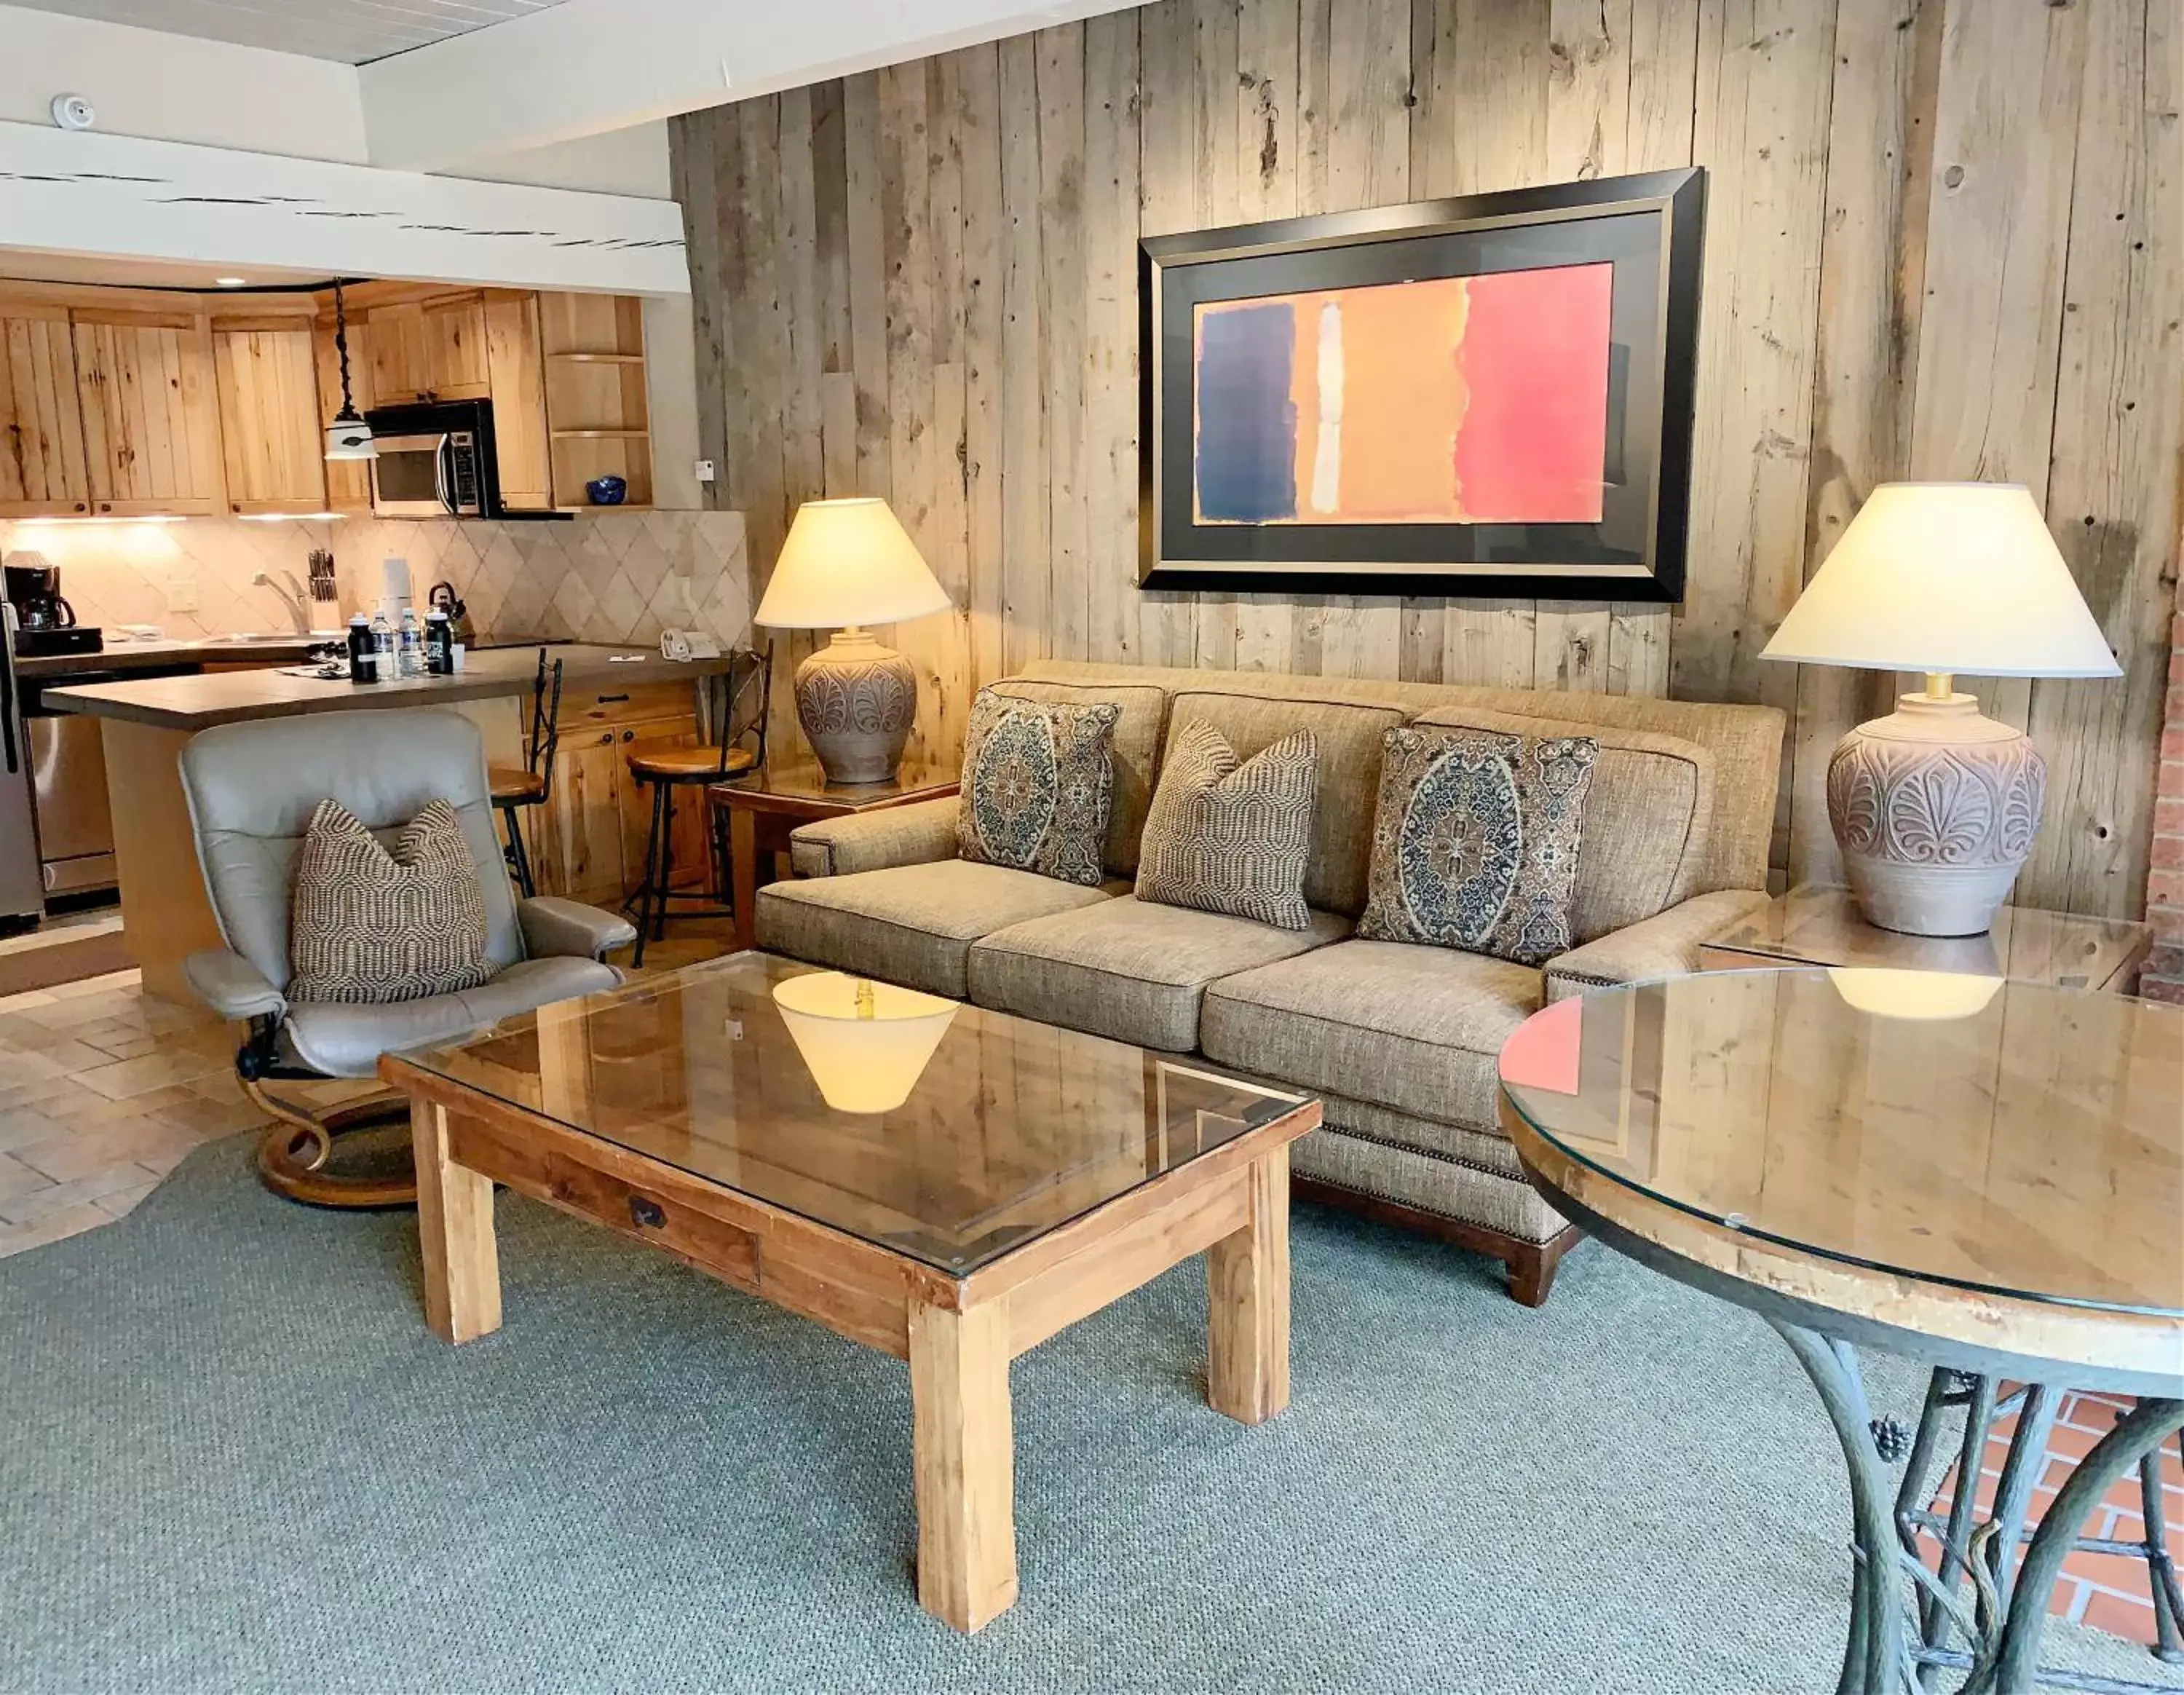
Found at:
<point>1032,1176</point>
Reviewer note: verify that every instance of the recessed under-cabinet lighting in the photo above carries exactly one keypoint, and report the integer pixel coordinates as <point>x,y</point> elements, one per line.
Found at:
<point>109,518</point>
<point>288,517</point>
<point>232,282</point>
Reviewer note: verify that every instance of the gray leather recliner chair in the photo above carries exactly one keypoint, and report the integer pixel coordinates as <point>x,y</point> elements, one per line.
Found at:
<point>252,789</point>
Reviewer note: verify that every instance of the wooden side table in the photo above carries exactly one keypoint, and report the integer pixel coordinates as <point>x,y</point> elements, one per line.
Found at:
<point>1818,924</point>
<point>764,807</point>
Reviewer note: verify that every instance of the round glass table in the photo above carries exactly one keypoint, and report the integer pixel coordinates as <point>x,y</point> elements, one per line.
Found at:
<point>1986,1176</point>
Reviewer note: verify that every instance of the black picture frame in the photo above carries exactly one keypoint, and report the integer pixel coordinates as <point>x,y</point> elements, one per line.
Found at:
<point>1650,226</point>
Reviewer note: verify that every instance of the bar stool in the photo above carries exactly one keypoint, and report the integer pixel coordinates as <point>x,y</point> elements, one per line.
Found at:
<point>738,721</point>
<point>533,784</point>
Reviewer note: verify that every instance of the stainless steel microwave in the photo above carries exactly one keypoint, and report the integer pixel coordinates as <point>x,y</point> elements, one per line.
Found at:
<point>436,461</point>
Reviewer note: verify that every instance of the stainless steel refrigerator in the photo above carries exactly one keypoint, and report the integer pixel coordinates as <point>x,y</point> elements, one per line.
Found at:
<point>22,885</point>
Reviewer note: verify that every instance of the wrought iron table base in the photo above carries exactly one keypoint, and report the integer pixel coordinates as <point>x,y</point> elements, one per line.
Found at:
<point>2002,1621</point>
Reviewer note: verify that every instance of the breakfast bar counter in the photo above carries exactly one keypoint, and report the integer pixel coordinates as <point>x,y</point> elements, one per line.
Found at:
<point>229,697</point>
<point>145,723</point>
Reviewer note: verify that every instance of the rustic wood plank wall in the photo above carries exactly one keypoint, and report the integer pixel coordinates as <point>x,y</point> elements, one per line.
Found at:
<point>1943,241</point>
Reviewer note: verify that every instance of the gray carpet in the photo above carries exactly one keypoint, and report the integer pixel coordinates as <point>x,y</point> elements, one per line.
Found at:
<point>231,1458</point>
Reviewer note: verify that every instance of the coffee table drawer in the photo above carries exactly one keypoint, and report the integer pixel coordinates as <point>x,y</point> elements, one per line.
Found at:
<point>651,1213</point>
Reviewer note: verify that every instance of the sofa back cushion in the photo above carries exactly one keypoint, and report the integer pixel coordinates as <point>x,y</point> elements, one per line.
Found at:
<point>1744,743</point>
<point>1136,752</point>
<point>1349,740</point>
<point>1647,816</point>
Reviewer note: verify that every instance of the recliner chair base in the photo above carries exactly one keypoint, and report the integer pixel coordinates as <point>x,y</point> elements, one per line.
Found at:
<point>297,1157</point>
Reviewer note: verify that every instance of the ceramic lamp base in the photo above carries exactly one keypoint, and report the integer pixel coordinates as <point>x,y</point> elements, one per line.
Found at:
<point>1935,808</point>
<point>856,701</point>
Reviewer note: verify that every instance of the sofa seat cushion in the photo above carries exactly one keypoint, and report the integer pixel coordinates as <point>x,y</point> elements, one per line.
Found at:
<point>1128,969</point>
<point>346,1040</point>
<point>1393,1024</point>
<point>912,924</point>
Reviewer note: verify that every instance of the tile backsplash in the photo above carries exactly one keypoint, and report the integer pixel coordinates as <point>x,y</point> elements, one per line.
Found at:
<point>605,576</point>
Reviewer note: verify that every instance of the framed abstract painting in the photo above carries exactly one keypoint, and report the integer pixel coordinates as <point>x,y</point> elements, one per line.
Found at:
<point>1490,396</point>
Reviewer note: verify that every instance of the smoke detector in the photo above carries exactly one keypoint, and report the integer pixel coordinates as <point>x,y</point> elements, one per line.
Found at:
<point>73,112</point>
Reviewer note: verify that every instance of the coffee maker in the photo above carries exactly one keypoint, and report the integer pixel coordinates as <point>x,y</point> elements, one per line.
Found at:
<point>34,590</point>
<point>45,623</point>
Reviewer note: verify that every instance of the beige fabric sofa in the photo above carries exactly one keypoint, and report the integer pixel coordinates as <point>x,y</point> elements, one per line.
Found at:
<point>1399,1040</point>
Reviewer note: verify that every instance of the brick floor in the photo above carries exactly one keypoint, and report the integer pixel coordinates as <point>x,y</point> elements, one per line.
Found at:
<point>2108,1591</point>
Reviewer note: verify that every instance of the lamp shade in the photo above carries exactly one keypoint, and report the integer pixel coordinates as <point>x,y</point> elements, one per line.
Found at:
<point>1917,997</point>
<point>845,562</point>
<point>1946,577</point>
<point>866,1044</point>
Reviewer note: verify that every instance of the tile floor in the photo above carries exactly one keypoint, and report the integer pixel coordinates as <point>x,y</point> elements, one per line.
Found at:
<point>104,1090</point>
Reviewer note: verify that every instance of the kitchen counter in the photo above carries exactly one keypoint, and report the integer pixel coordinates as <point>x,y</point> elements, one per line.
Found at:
<point>257,650</point>
<point>197,703</point>
<point>145,723</point>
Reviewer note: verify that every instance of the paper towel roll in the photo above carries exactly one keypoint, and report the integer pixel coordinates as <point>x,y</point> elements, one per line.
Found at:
<point>394,579</point>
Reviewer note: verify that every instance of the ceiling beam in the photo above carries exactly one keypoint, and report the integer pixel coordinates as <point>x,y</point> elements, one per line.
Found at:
<point>589,65</point>
<point>127,198</point>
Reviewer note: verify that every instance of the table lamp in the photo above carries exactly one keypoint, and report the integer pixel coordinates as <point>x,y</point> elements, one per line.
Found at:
<point>866,1044</point>
<point>846,564</point>
<point>1935,807</point>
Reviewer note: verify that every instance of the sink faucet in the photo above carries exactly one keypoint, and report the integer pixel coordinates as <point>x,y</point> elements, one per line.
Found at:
<point>290,597</point>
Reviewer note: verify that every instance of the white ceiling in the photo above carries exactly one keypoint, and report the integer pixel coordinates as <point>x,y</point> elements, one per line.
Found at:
<point>350,31</point>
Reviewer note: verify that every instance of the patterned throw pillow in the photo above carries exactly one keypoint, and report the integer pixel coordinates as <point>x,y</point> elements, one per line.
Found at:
<point>1230,838</point>
<point>1475,841</point>
<point>1037,786</point>
<point>369,925</point>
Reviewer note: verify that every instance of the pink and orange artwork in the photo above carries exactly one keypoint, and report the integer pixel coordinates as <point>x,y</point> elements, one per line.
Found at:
<point>1466,399</point>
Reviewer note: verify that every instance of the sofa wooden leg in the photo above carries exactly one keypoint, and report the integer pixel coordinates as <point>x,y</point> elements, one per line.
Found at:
<point>1532,1266</point>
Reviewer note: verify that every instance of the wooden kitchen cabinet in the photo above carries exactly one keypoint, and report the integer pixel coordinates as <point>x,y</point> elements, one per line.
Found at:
<point>587,841</point>
<point>517,375</point>
<point>430,349</point>
<point>42,473</point>
<point>151,423</point>
<point>265,373</point>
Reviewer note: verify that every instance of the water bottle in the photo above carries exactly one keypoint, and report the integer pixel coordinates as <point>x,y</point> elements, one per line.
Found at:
<point>439,643</point>
<point>363,652</point>
<point>412,662</point>
<point>382,648</point>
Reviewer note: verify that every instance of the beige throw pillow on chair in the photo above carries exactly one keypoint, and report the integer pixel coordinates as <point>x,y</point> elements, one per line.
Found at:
<point>373,927</point>
<point>1233,837</point>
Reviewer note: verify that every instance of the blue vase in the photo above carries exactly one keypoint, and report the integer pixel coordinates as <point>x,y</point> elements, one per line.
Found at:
<point>607,491</point>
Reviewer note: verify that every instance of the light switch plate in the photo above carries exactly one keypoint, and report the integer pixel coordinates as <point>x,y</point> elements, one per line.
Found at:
<point>181,592</point>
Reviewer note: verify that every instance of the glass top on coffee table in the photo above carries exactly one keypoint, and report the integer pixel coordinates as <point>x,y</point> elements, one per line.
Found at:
<point>941,1131</point>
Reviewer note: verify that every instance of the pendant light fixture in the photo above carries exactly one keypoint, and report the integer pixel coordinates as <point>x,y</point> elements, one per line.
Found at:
<point>348,437</point>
